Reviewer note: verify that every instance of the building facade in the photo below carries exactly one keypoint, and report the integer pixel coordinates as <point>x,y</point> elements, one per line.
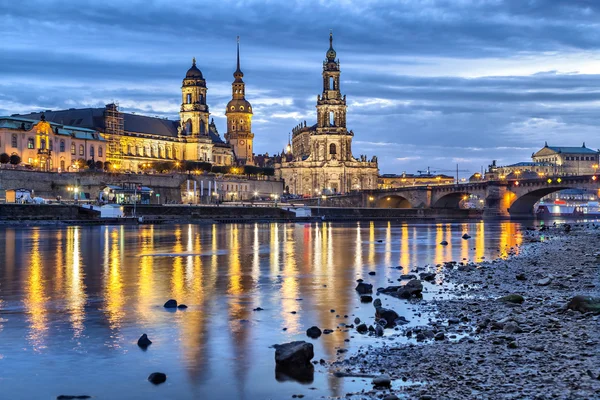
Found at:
<point>392,181</point>
<point>135,141</point>
<point>48,146</point>
<point>320,158</point>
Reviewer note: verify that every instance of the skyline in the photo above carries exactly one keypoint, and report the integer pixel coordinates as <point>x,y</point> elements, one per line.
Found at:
<point>428,85</point>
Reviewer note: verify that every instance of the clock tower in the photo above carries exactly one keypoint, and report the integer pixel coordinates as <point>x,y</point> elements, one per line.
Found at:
<point>239,118</point>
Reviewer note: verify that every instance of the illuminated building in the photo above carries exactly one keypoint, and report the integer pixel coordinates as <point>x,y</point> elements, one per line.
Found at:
<point>321,157</point>
<point>391,181</point>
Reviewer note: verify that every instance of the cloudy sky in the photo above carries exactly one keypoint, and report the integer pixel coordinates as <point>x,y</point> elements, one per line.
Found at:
<point>429,83</point>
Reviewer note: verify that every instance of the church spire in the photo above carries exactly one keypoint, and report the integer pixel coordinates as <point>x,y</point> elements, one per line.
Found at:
<point>238,74</point>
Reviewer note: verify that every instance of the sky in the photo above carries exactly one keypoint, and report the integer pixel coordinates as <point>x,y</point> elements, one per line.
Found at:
<point>429,83</point>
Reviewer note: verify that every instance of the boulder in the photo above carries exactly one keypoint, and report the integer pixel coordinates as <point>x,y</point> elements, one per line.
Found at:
<point>544,282</point>
<point>408,276</point>
<point>439,336</point>
<point>371,273</point>
<point>512,327</point>
<point>413,288</point>
<point>379,330</point>
<point>357,320</point>
<point>157,378</point>
<point>390,316</point>
<point>171,304</point>
<point>366,298</point>
<point>444,243</point>
<point>143,341</point>
<point>521,277</point>
<point>584,304</point>
<point>362,328</point>
<point>427,276</point>
<point>364,288</point>
<point>313,332</point>
<point>182,306</point>
<point>294,354</point>
<point>377,303</point>
<point>382,381</point>
<point>466,236</point>
<point>512,298</point>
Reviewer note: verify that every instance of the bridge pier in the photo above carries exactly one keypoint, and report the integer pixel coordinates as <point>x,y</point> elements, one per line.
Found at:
<point>497,202</point>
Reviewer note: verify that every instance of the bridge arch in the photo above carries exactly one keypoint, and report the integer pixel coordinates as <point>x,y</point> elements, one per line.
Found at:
<point>450,200</point>
<point>393,201</point>
<point>523,204</point>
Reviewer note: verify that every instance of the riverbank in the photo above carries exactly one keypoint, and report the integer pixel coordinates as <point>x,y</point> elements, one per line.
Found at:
<point>477,346</point>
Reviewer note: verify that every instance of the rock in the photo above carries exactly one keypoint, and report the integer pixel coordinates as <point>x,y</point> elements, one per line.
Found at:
<point>544,282</point>
<point>313,332</point>
<point>377,303</point>
<point>182,306</point>
<point>444,243</point>
<point>512,345</point>
<point>512,298</point>
<point>466,236</point>
<point>327,331</point>
<point>144,342</point>
<point>382,381</point>
<point>357,320</point>
<point>371,273</point>
<point>453,321</point>
<point>366,298</point>
<point>294,354</point>
<point>408,276</point>
<point>512,327</point>
<point>258,309</point>
<point>584,304</point>
<point>413,288</point>
<point>521,277</point>
<point>171,304</point>
<point>389,315</point>
<point>427,276</point>
<point>379,330</point>
<point>70,397</point>
<point>362,328</point>
<point>364,288</point>
<point>439,336</point>
<point>157,378</point>
<point>391,397</point>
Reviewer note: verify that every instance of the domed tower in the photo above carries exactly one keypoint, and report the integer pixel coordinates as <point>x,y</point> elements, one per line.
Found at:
<point>194,110</point>
<point>239,118</point>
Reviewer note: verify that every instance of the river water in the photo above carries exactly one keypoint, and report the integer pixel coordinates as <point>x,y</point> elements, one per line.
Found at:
<point>74,300</point>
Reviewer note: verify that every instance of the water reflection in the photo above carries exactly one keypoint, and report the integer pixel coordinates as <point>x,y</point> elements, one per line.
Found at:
<point>107,285</point>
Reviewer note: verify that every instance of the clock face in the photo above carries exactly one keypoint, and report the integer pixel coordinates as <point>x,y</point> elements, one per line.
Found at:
<point>242,142</point>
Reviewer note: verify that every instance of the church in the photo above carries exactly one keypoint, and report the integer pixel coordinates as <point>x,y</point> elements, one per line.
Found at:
<point>134,141</point>
<point>320,158</point>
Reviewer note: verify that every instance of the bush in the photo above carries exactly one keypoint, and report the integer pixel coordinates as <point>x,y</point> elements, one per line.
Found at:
<point>107,165</point>
<point>99,165</point>
<point>4,158</point>
<point>15,159</point>
<point>197,165</point>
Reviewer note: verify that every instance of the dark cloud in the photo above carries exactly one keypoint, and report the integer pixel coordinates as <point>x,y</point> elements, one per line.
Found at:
<point>428,83</point>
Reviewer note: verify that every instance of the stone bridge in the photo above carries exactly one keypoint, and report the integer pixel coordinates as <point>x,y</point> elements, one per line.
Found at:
<point>508,198</point>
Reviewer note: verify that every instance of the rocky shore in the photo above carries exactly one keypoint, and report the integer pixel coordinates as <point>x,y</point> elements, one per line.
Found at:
<point>504,332</point>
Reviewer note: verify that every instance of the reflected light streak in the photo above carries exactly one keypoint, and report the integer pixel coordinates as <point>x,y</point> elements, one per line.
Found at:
<point>35,298</point>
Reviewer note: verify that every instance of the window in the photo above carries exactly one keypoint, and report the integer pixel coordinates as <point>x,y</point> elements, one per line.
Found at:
<point>62,165</point>
<point>43,144</point>
<point>62,146</point>
<point>128,149</point>
<point>13,141</point>
<point>73,148</point>
<point>331,83</point>
<point>50,145</point>
<point>81,150</point>
<point>202,128</point>
<point>201,99</point>
<point>30,161</point>
<point>332,148</point>
<point>331,119</point>
<point>99,151</point>
<point>188,98</point>
<point>92,151</point>
<point>188,127</point>
<point>30,143</point>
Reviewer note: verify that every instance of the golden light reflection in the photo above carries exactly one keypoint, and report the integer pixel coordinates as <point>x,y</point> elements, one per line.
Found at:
<point>404,249</point>
<point>177,282</point>
<point>290,284</point>
<point>371,253</point>
<point>438,257</point>
<point>510,238</point>
<point>76,295</point>
<point>358,259</point>
<point>35,297</point>
<point>113,285</point>
<point>145,282</point>
<point>479,241</point>
<point>235,271</point>
<point>388,247</point>
<point>464,244</point>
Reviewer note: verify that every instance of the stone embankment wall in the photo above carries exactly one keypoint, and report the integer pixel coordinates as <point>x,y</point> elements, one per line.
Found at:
<point>44,212</point>
<point>394,213</point>
<point>209,212</point>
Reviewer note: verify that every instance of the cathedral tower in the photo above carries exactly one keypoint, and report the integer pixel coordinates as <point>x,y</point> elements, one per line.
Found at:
<point>331,106</point>
<point>194,110</point>
<point>239,118</point>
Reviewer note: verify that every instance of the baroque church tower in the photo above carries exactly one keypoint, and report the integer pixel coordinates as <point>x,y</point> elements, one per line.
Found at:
<point>239,118</point>
<point>194,110</point>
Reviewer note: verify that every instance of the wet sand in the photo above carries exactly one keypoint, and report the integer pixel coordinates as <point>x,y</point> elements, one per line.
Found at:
<point>477,346</point>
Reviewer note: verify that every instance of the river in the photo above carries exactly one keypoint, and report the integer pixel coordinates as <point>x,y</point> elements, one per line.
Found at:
<point>74,301</point>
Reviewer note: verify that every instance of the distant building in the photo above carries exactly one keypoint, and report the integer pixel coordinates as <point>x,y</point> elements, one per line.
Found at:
<point>50,146</point>
<point>392,181</point>
<point>320,156</point>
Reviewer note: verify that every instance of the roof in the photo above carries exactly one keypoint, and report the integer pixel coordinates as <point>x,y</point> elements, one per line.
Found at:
<point>530,164</point>
<point>574,150</point>
<point>15,122</point>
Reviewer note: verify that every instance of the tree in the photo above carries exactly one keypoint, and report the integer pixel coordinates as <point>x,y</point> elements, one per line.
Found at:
<point>80,163</point>
<point>163,166</point>
<point>99,165</point>
<point>107,165</point>
<point>4,158</point>
<point>15,159</point>
<point>197,166</point>
<point>251,170</point>
<point>90,164</point>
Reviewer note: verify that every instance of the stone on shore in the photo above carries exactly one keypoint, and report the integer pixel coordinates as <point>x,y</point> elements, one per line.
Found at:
<point>366,298</point>
<point>143,341</point>
<point>544,282</point>
<point>427,276</point>
<point>413,288</point>
<point>313,332</point>
<point>512,298</point>
<point>407,277</point>
<point>362,328</point>
<point>444,243</point>
<point>364,288</point>
<point>377,303</point>
<point>294,354</point>
<point>157,378</point>
<point>584,304</point>
<point>382,381</point>
<point>171,304</point>
<point>466,236</point>
<point>512,327</point>
<point>182,306</point>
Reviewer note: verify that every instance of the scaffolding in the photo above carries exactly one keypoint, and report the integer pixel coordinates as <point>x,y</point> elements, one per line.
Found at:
<point>114,130</point>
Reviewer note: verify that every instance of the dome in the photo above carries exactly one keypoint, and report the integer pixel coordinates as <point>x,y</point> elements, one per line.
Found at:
<point>331,54</point>
<point>194,72</point>
<point>239,105</point>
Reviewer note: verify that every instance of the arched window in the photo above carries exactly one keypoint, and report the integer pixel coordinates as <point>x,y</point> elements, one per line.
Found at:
<point>30,143</point>
<point>188,98</point>
<point>201,99</point>
<point>13,141</point>
<point>188,127</point>
<point>128,149</point>
<point>332,148</point>
<point>91,151</point>
<point>81,150</point>
<point>50,145</point>
<point>43,144</point>
<point>202,127</point>
<point>331,83</point>
<point>73,148</point>
<point>62,165</point>
<point>62,146</point>
<point>331,119</point>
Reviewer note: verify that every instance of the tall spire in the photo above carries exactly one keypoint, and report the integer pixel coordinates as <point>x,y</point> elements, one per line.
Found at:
<point>238,53</point>
<point>331,52</point>
<point>238,74</point>
<point>331,38</point>
<point>193,60</point>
